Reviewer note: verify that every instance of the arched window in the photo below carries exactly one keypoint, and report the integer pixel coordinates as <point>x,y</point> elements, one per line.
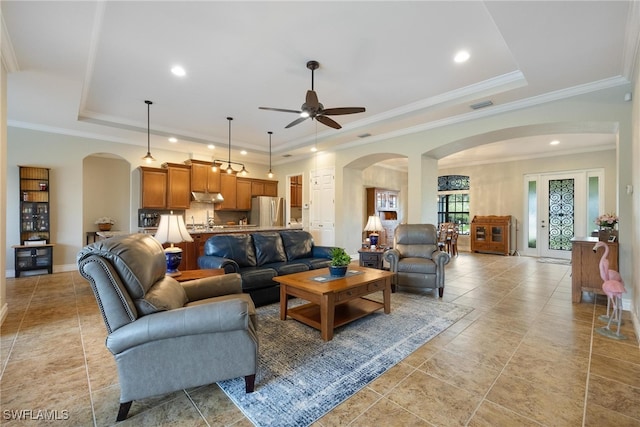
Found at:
<point>453,201</point>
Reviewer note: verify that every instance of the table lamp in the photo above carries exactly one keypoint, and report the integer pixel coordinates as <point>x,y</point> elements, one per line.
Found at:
<point>374,225</point>
<point>172,230</point>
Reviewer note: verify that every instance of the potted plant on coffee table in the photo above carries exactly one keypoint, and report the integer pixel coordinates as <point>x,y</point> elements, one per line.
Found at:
<point>340,260</point>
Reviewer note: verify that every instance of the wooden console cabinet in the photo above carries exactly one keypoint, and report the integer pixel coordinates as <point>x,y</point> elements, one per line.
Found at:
<point>491,234</point>
<point>585,271</point>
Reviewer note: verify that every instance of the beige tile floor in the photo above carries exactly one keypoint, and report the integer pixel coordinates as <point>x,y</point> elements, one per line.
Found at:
<point>526,356</point>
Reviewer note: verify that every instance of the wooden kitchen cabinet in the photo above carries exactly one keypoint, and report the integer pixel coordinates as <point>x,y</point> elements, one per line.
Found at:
<point>243,194</point>
<point>154,188</point>
<point>203,178</point>
<point>228,190</point>
<point>263,187</point>
<point>178,185</point>
<point>585,271</point>
<point>491,234</point>
<point>296,191</point>
<point>257,187</point>
<point>271,188</point>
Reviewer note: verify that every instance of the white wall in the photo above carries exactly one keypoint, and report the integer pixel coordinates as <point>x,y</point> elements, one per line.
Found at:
<point>3,188</point>
<point>634,197</point>
<point>106,191</point>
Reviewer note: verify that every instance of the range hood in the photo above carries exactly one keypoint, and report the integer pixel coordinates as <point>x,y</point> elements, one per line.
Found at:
<point>207,197</point>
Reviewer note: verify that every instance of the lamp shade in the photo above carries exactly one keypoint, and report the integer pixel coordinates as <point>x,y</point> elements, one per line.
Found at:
<point>373,224</point>
<point>172,230</point>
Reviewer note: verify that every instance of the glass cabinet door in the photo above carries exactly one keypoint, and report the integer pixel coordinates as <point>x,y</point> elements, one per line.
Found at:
<point>393,201</point>
<point>496,234</point>
<point>480,233</point>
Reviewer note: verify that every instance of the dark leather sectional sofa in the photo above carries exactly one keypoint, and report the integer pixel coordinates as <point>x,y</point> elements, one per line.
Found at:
<point>261,256</point>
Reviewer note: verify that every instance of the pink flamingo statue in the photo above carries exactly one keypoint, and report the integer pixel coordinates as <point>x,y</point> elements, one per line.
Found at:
<point>613,287</point>
<point>606,273</point>
<point>614,290</point>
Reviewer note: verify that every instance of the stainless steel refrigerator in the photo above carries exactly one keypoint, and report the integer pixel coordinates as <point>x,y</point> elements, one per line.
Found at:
<point>267,211</point>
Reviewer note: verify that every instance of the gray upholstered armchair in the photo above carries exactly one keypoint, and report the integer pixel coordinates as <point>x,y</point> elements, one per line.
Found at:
<point>416,259</point>
<point>166,336</point>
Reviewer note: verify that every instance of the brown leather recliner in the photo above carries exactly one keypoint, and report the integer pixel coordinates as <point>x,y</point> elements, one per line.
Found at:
<point>416,258</point>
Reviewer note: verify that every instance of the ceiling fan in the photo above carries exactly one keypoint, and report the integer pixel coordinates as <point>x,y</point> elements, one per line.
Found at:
<point>314,109</point>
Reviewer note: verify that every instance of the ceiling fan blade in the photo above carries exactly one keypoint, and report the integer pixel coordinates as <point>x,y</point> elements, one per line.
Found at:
<point>284,110</point>
<point>343,110</point>
<point>312,100</point>
<point>329,122</point>
<point>296,121</point>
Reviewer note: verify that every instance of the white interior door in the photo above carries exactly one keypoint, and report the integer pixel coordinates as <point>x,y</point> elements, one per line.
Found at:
<point>322,207</point>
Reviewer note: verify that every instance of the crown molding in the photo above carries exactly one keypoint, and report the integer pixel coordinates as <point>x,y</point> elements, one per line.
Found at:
<point>9,59</point>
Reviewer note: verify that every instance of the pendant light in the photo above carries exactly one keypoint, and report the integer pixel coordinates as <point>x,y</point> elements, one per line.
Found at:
<point>270,174</point>
<point>218,163</point>
<point>148,158</point>
<point>229,168</point>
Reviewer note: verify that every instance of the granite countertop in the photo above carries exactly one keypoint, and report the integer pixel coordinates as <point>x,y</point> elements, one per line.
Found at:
<point>224,229</point>
<point>107,234</point>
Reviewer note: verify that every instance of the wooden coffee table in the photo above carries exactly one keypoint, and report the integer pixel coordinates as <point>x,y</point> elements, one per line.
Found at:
<point>335,302</point>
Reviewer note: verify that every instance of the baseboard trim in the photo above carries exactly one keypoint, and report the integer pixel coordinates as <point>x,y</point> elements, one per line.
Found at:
<point>56,269</point>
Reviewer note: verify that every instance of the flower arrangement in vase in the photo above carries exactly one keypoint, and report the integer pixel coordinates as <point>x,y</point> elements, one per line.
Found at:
<point>105,223</point>
<point>606,226</point>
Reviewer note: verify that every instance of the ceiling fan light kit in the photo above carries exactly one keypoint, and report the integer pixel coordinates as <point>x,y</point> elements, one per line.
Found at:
<point>313,109</point>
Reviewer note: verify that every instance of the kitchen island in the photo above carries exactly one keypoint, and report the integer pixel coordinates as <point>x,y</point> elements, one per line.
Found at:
<point>192,250</point>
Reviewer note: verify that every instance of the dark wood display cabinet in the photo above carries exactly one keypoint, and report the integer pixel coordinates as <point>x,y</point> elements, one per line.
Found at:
<point>35,251</point>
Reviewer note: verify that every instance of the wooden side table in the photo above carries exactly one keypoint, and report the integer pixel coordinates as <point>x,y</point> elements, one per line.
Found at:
<point>585,272</point>
<point>371,259</point>
<point>187,275</point>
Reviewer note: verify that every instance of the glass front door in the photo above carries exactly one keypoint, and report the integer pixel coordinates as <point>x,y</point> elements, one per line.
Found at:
<point>558,207</point>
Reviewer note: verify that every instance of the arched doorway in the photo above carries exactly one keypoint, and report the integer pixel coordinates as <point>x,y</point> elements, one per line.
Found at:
<point>106,191</point>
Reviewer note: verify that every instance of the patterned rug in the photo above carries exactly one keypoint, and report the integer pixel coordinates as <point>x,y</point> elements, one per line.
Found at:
<point>300,377</point>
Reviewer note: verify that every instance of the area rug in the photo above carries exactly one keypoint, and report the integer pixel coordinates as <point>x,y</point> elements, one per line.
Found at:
<point>300,377</point>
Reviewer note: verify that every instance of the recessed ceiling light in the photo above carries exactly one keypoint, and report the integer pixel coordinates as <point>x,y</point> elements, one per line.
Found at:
<point>173,140</point>
<point>461,56</point>
<point>178,71</point>
<point>554,142</point>
<point>314,149</point>
<point>243,152</point>
<point>211,146</point>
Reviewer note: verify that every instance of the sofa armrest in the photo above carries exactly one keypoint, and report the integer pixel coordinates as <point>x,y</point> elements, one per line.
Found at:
<point>321,251</point>
<point>222,316</point>
<point>215,286</point>
<point>441,258</point>
<point>392,256</point>
<point>211,261</point>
